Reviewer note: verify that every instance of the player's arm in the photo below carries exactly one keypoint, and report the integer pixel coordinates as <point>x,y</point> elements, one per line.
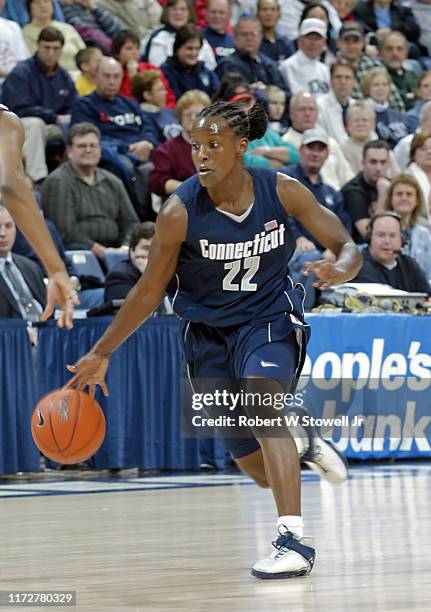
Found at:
<point>19,200</point>
<point>143,299</point>
<point>326,227</point>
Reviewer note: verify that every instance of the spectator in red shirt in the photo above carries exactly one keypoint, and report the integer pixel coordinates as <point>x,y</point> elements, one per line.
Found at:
<point>125,49</point>
<point>173,159</point>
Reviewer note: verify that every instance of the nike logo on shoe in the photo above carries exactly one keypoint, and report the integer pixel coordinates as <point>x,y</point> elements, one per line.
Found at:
<point>269,364</point>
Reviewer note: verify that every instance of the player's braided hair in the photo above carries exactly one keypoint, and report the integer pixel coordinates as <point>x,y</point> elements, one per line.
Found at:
<point>249,125</point>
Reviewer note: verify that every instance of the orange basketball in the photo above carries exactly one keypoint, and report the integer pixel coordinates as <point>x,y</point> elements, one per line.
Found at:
<point>68,426</point>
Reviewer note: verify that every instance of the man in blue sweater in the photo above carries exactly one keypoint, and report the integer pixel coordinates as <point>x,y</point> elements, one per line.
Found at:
<point>313,153</point>
<point>257,69</point>
<point>127,134</point>
<point>41,92</point>
<point>216,32</point>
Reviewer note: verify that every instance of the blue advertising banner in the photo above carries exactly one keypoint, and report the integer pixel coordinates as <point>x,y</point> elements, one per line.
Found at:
<point>375,367</point>
<point>367,378</point>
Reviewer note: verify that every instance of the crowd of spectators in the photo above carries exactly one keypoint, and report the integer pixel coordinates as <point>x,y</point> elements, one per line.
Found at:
<point>108,91</point>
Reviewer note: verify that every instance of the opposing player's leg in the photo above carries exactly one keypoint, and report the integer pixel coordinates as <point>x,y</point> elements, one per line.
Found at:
<point>319,454</point>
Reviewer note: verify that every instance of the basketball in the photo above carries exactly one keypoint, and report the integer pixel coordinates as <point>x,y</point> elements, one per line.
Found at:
<point>68,426</point>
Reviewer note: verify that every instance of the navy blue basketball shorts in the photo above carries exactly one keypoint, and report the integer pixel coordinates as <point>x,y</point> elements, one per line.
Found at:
<point>249,358</point>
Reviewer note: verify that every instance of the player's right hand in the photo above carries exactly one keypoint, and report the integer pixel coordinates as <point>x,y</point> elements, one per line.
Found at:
<point>89,371</point>
<point>326,272</point>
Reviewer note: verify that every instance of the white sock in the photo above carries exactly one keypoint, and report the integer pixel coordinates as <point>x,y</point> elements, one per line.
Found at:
<point>293,523</point>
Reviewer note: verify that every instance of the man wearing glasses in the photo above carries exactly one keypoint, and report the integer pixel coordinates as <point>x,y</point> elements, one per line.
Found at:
<point>89,206</point>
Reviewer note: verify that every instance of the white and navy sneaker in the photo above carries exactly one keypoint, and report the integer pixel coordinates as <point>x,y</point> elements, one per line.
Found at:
<point>319,454</point>
<point>290,559</point>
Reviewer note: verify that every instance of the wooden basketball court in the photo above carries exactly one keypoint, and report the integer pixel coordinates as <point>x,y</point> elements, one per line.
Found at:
<point>187,542</point>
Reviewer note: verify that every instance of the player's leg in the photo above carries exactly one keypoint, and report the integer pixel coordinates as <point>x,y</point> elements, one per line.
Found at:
<point>278,449</point>
<point>253,466</point>
<point>291,557</point>
<point>207,354</point>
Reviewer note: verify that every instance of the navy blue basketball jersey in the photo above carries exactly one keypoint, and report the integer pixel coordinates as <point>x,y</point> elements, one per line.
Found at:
<point>235,270</point>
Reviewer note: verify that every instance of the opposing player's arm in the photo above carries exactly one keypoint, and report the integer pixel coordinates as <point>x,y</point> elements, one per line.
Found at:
<point>19,200</point>
<point>17,196</point>
<point>326,227</point>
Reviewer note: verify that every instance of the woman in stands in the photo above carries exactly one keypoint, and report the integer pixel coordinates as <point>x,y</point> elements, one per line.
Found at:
<point>361,125</point>
<point>183,69</point>
<point>158,46</point>
<point>376,89</point>
<point>405,198</point>
<point>172,160</point>
<point>423,94</point>
<point>420,168</point>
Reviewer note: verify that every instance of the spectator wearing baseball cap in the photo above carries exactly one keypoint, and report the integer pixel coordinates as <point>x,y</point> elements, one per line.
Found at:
<point>292,14</point>
<point>313,153</point>
<point>304,71</point>
<point>351,45</point>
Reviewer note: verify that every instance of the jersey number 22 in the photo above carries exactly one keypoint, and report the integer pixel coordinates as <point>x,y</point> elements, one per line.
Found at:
<point>251,266</point>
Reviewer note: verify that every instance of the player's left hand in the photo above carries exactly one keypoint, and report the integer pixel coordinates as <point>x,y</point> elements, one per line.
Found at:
<point>61,291</point>
<point>327,273</point>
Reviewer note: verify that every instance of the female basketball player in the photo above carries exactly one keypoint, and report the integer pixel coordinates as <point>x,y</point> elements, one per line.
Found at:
<point>224,240</point>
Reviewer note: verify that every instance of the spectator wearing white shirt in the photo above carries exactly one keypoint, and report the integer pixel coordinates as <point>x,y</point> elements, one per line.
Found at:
<point>420,168</point>
<point>12,45</point>
<point>304,71</point>
<point>361,126</point>
<point>333,105</point>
